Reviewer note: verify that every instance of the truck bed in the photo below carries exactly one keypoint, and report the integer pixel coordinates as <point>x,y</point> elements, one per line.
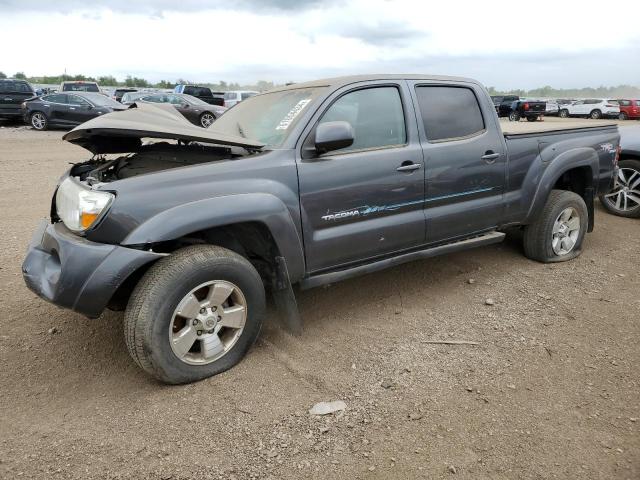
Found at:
<point>551,124</point>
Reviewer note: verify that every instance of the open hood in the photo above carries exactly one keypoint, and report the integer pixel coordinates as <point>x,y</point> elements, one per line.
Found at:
<point>121,132</point>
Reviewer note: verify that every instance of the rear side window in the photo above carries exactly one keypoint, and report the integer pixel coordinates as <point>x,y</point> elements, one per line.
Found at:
<point>56,98</point>
<point>449,112</point>
<point>375,114</point>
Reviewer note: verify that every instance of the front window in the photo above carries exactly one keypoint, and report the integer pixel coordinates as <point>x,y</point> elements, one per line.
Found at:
<point>267,118</point>
<point>102,100</point>
<point>193,100</point>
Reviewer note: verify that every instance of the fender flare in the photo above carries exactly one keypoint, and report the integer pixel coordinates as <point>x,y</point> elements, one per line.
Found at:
<point>558,166</point>
<point>212,212</point>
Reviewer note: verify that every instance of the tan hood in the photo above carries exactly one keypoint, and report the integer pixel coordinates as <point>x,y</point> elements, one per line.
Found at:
<point>121,132</point>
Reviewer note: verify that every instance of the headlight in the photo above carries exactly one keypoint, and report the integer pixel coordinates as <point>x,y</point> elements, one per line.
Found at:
<point>79,207</point>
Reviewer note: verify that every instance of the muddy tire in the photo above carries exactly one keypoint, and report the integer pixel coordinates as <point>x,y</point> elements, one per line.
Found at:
<point>557,233</point>
<point>194,314</point>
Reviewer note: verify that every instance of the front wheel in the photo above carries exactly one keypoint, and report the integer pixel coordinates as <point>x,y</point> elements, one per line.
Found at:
<point>206,119</point>
<point>557,234</point>
<point>622,116</point>
<point>564,113</point>
<point>194,314</point>
<point>624,198</point>
<point>514,117</point>
<point>39,121</point>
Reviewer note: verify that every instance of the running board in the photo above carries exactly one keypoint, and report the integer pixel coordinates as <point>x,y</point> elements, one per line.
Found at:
<point>336,276</point>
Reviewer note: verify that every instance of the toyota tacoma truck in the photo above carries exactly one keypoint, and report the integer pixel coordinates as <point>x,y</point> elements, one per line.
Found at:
<point>186,229</point>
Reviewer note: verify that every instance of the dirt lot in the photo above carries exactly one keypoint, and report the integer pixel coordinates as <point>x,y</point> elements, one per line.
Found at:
<point>551,391</point>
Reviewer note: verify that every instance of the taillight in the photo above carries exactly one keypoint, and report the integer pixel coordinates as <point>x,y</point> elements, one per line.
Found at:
<point>526,106</point>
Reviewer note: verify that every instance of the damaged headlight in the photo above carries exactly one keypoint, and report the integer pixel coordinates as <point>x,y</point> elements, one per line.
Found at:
<point>79,207</point>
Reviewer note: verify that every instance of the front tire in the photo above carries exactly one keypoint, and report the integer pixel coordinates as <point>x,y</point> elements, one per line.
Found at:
<point>595,114</point>
<point>624,198</point>
<point>194,314</point>
<point>39,121</point>
<point>564,113</point>
<point>557,234</point>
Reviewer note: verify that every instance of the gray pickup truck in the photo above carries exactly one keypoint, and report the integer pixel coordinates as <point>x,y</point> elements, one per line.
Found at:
<point>301,186</point>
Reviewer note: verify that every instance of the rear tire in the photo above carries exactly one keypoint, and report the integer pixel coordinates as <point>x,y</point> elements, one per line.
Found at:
<point>595,114</point>
<point>556,235</point>
<point>160,309</point>
<point>623,116</point>
<point>39,121</point>
<point>621,202</point>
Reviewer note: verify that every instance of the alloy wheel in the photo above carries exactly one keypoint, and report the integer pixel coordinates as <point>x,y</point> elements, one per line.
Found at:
<point>566,230</point>
<point>625,196</point>
<point>38,121</point>
<point>208,322</point>
<point>206,120</point>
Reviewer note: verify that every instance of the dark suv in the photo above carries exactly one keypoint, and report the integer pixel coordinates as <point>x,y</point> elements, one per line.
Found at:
<point>12,94</point>
<point>203,93</point>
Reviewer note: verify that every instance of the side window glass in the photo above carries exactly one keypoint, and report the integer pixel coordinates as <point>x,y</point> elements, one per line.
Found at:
<point>76,100</point>
<point>56,98</point>
<point>375,114</point>
<point>449,112</point>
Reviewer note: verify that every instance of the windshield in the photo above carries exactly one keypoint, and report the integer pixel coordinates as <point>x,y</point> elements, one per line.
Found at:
<point>194,101</point>
<point>102,100</point>
<point>80,87</point>
<point>266,118</point>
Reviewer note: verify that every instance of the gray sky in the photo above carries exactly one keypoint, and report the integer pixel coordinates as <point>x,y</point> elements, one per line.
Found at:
<point>578,44</point>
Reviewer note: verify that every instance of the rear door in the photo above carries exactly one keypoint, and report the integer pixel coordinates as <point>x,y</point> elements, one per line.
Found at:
<point>365,200</point>
<point>465,159</point>
<point>57,108</point>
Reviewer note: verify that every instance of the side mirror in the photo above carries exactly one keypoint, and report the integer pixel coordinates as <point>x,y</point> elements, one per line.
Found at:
<point>333,136</point>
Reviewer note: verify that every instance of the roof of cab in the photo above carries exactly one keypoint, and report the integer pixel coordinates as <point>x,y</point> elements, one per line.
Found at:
<point>337,82</point>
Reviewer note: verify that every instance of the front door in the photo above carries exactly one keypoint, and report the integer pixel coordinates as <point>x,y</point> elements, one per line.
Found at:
<point>365,200</point>
<point>465,160</point>
<point>80,110</point>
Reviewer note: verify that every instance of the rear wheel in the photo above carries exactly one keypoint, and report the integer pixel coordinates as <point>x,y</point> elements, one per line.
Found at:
<point>194,314</point>
<point>557,234</point>
<point>623,116</point>
<point>514,117</point>
<point>206,119</point>
<point>595,114</point>
<point>564,113</point>
<point>39,121</point>
<point>624,198</point>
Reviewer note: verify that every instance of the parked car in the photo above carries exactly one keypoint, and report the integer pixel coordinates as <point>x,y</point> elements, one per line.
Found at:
<point>234,97</point>
<point>67,109</point>
<point>591,108</point>
<point>552,109</point>
<point>203,93</point>
<point>119,92</point>
<point>515,108</point>
<point>503,103</point>
<point>12,93</point>
<point>629,109</point>
<point>624,197</point>
<point>330,182</point>
<point>79,86</point>
<point>195,110</point>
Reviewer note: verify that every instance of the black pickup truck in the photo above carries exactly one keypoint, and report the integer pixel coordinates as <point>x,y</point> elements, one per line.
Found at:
<point>301,186</point>
<point>515,108</point>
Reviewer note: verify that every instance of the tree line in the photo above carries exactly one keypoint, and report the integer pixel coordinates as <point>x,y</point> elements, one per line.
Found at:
<point>619,91</point>
<point>131,81</point>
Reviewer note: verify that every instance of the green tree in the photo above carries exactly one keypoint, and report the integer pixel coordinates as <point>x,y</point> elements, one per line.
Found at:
<point>2,75</point>
<point>20,76</point>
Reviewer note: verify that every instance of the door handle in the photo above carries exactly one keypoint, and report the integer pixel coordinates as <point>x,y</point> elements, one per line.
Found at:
<point>408,167</point>
<point>490,157</point>
<point>71,108</point>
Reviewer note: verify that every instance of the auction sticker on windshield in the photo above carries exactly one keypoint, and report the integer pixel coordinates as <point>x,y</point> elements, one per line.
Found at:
<point>293,113</point>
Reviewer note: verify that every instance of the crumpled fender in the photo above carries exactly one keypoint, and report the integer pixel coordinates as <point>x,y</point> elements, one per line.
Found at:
<point>191,217</point>
<point>539,190</point>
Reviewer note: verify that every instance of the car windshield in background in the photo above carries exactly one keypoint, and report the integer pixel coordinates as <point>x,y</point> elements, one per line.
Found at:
<point>195,101</point>
<point>81,87</point>
<point>266,118</point>
<point>131,96</point>
<point>102,100</point>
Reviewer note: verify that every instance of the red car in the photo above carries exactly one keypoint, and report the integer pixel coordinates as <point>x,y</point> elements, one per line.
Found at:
<point>629,109</point>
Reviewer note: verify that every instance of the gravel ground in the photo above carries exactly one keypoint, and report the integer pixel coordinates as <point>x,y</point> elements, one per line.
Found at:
<point>550,391</point>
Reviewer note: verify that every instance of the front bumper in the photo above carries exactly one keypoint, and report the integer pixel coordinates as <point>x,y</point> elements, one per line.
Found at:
<point>72,272</point>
